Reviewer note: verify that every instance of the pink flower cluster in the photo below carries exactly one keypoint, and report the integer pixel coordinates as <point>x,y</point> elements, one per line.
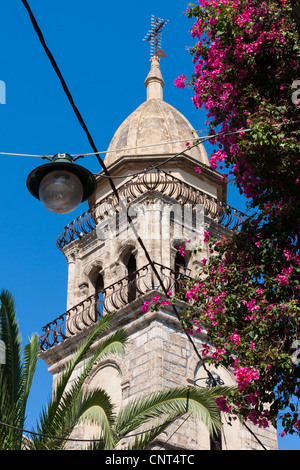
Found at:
<point>235,338</point>
<point>254,29</point>
<point>156,302</point>
<point>259,418</point>
<point>222,404</point>
<point>180,81</point>
<point>145,306</point>
<point>256,416</point>
<point>245,375</point>
<point>283,277</point>
<point>207,236</point>
<point>181,251</point>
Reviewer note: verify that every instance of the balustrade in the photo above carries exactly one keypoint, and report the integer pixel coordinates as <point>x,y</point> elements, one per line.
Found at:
<point>155,180</point>
<point>112,298</point>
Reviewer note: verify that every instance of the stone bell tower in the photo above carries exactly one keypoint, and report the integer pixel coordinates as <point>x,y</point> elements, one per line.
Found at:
<point>169,202</point>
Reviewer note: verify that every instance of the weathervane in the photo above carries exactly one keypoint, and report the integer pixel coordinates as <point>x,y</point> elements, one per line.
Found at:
<point>154,36</point>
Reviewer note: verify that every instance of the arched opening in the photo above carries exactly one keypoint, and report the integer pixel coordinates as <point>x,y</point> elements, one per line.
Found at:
<point>99,285</point>
<point>129,281</point>
<point>107,377</point>
<point>131,271</point>
<point>99,294</point>
<point>180,267</point>
<point>216,440</point>
<point>205,377</point>
<point>216,437</point>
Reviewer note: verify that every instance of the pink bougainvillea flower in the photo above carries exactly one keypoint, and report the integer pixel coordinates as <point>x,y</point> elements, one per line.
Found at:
<point>180,81</point>
<point>206,236</point>
<point>145,306</point>
<point>235,338</point>
<point>181,251</point>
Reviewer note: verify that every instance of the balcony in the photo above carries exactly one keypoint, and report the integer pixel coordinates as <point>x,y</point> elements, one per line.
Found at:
<point>112,298</point>
<point>156,180</point>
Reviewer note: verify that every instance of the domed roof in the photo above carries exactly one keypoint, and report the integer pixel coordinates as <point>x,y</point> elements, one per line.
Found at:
<point>155,127</point>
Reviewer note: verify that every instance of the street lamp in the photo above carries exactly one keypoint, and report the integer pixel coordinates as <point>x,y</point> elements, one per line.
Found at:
<point>214,380</point>
<point>61,185</point>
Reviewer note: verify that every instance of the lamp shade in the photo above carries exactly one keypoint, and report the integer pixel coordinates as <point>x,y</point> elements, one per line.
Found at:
<point>61,185</point>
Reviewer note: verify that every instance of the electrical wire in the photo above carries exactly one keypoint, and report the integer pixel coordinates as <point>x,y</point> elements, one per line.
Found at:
<point>199,141</point>
<point>140,146</point>
<point>176,430</point>
<point>47,436</point>
<point>152,429</point>
<point>154,167</point>
<point>22,155</point>
<point>81,155</point>
<point>129,435</point>
<point>59,438</point>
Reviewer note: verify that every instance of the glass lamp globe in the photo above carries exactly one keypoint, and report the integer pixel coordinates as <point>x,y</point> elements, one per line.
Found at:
<point>61,185</point>
<point>61,191</point>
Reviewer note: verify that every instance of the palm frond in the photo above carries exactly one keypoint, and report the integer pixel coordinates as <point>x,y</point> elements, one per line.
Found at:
<point>61,414</point>
<point>143,439</point>
<point>114,344</point>
<point>103,324</point>
<point>7,413</point>
<point>31,352</point>
<point>200,402</point>
<point>48,413</point>
<point>12,372</point>
<point>97,409</point>
<point>9,333</point>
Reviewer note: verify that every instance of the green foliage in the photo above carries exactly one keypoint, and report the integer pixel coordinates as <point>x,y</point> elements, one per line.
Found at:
<point>15,376</point>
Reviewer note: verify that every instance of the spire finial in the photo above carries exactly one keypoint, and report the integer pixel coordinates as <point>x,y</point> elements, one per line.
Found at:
<point>154,82</point>
<point>154,36</point>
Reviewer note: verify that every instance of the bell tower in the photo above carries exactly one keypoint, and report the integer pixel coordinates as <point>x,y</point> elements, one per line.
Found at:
<point>168,202</point>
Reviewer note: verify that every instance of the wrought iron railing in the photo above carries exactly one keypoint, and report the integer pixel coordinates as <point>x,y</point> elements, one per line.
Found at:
<point>112,298</point>
<point>155,180</point>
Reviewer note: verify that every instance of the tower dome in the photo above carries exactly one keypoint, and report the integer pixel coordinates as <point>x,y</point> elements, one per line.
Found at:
<point>155,127</point>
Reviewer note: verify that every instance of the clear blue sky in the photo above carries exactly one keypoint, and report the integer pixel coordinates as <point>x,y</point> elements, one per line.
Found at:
<point>99,49</point>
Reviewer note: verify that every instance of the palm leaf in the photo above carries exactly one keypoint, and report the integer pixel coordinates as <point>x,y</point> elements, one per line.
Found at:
<point>103,324</point>
<point>31,352</point>
<point>60,416</point>
<point>48,413</point>
<point>201,403</point>
<point>143,439</point>
<point>97,408</point>
<point>7,413</point>
<point>9,333</point>
<point>112,345</point>
<point>16,377</point>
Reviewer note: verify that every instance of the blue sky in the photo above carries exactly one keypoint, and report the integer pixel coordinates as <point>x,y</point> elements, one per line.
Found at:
<point>99,49</point>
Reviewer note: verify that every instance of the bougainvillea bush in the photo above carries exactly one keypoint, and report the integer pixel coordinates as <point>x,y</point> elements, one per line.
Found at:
<point>246,65</point>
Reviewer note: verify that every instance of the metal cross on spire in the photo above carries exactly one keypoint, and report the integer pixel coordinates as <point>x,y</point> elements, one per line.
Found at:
<point>154,36</point>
